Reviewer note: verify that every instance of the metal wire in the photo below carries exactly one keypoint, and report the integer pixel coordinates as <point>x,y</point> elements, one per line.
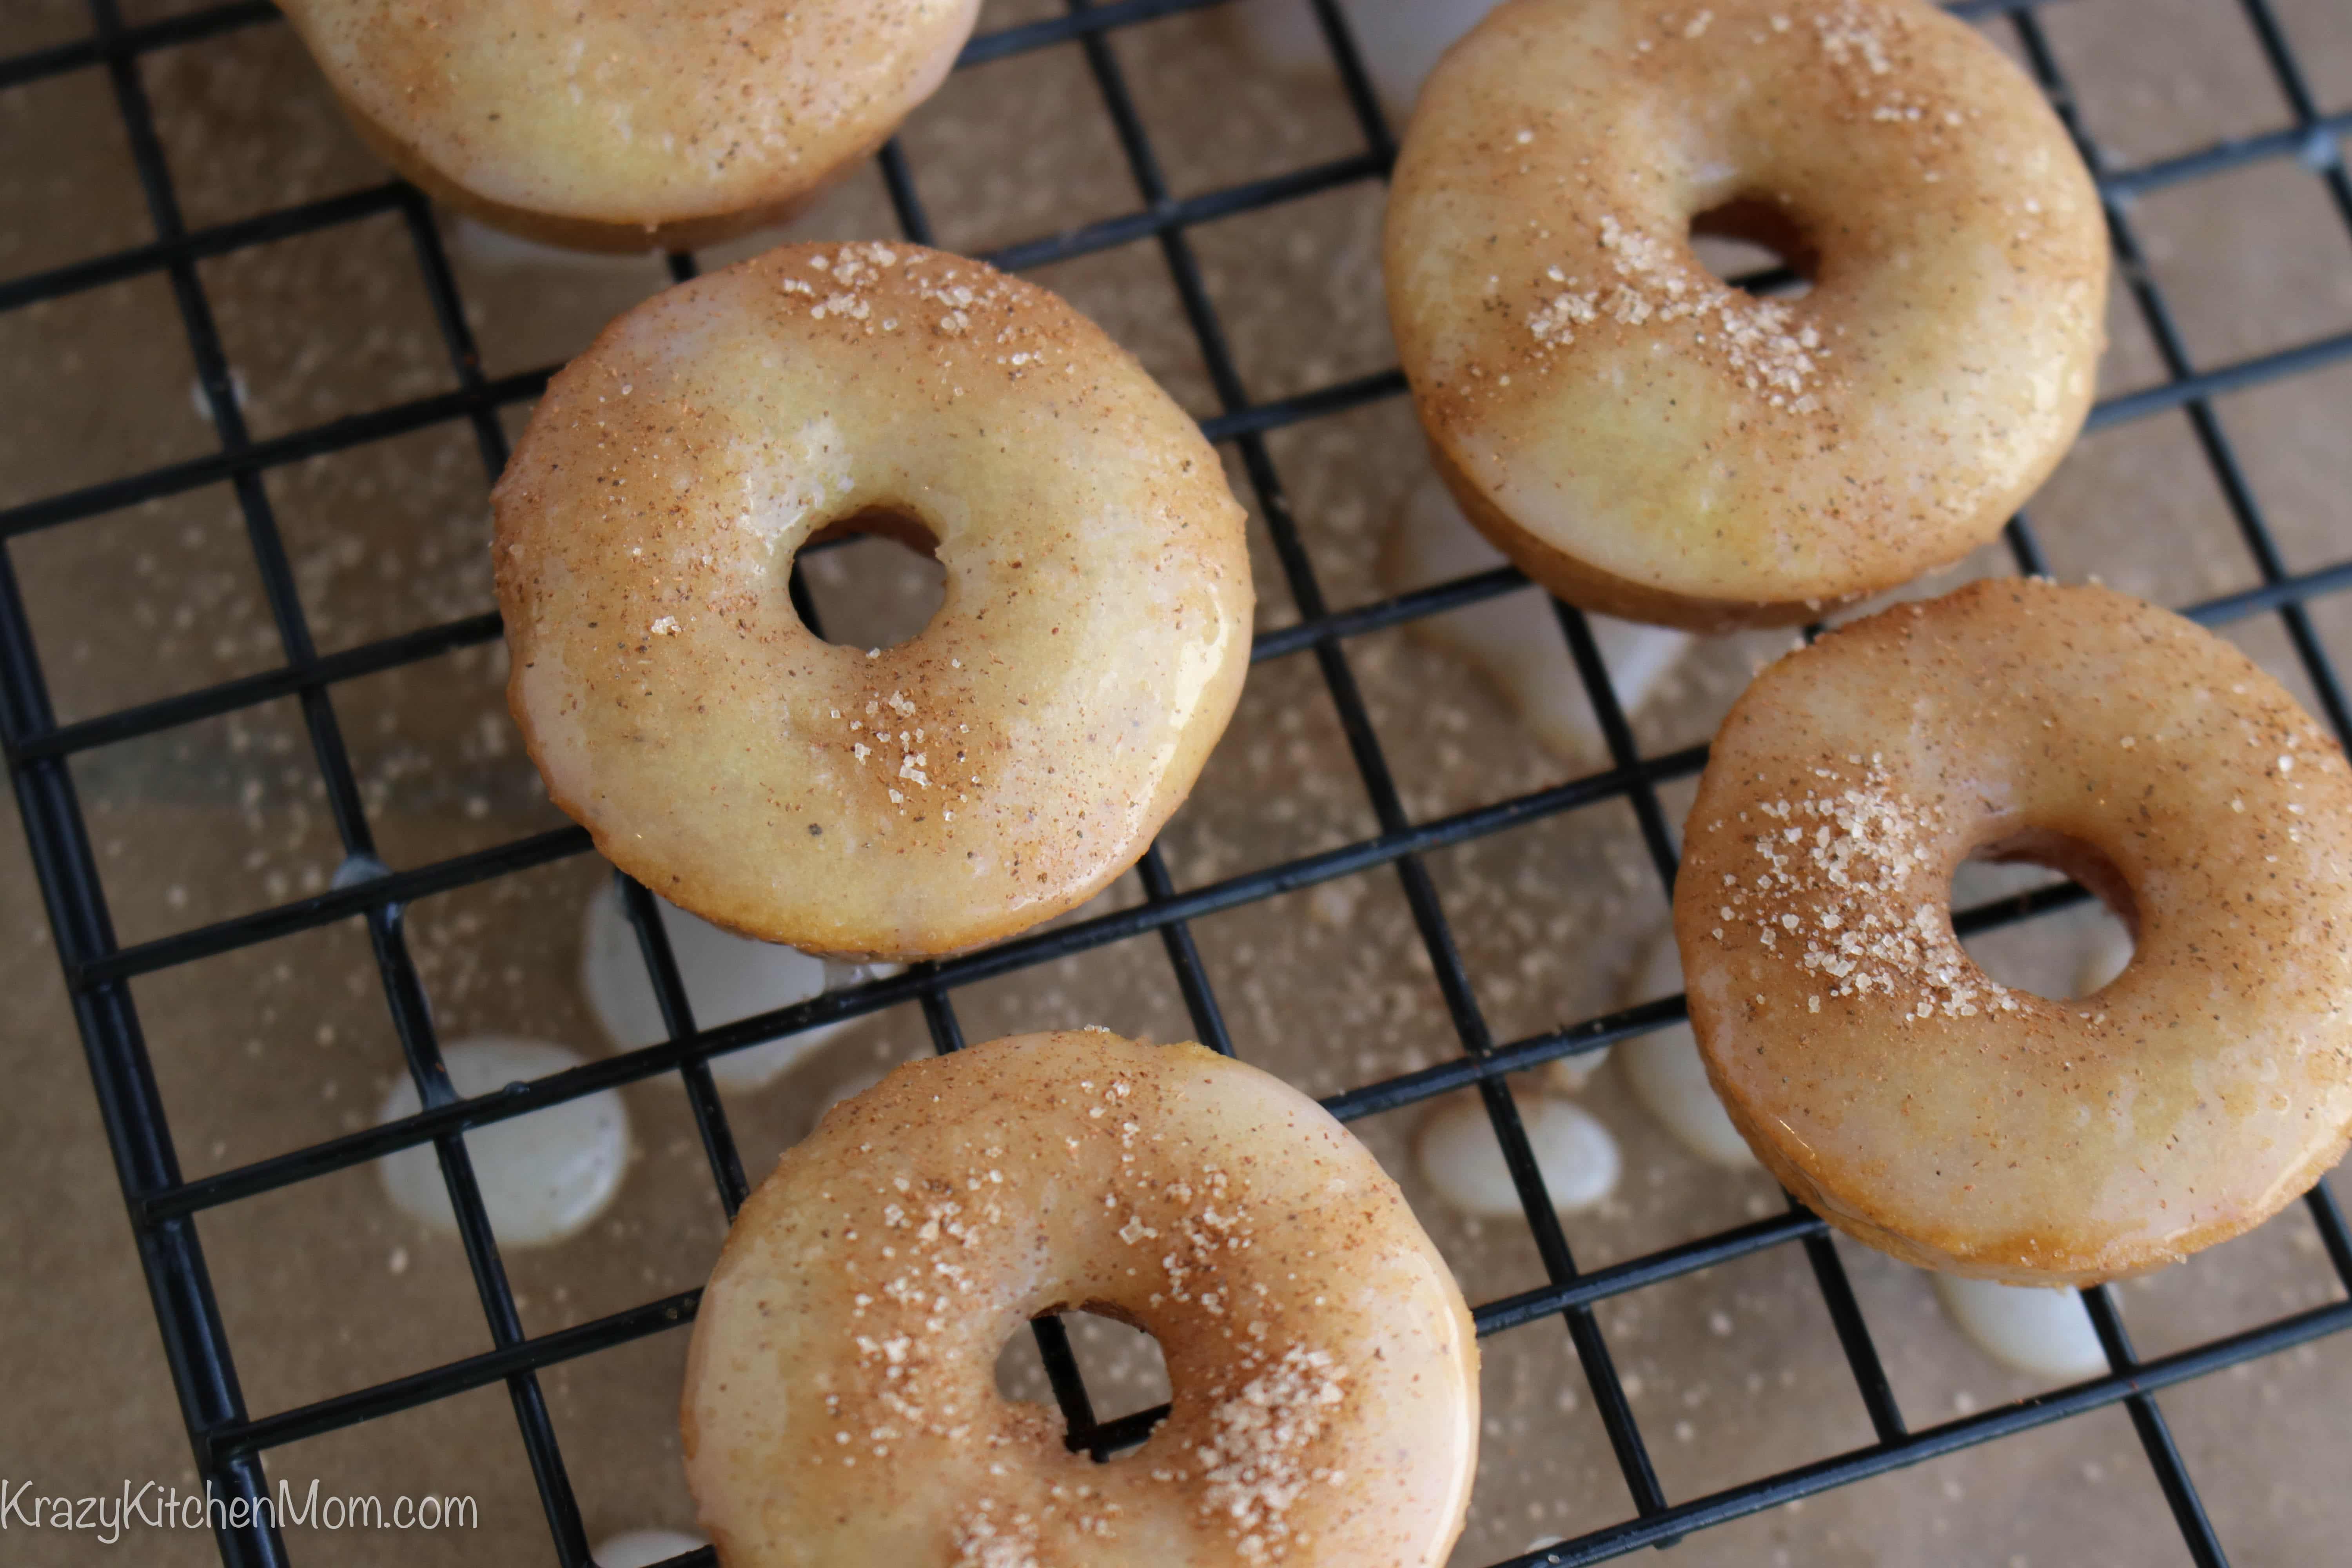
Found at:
<point>229,1441</point>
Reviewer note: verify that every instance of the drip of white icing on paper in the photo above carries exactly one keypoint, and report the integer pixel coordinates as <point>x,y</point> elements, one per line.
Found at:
<point>544,1176</point>
<point>1663,1069</point>
<point>727,977</point>
<point>1462,1160</point>
<point>1515,640</point>
<point>2106,952</point>
<point>2032,1329</point>
<point>644,1547</point>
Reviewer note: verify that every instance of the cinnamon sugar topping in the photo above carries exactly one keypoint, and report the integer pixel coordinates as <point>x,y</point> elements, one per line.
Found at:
<point>1263,1423</point>
<point>1850,42</point>
<point>983,1540</point>
<point>955,301</point>
<point>1255,1462</point>
<point>1833,893</point>
<point>1760,338</point>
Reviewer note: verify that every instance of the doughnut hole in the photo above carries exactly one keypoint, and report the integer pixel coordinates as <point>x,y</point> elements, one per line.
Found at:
<point>1120,1363</point>
<point>1751,243</point>
<point>2065,956</point>
<point>874,579</point>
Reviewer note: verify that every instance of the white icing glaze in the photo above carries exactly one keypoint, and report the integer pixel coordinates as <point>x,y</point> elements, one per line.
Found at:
<point>1398,39</point>
<point>1515,640</point>
<point>644,1547</point>
<point>1574,1152</point>
<point>1647,440</point>
<point>631,116</point>
<point>727,977</point>
<point>1966,1125</point>
<point>2033,1329</point>
<point>1000,767</point>
<point>1325,1368</point>
<point>1663,1069</point>
<point>544,1176</point>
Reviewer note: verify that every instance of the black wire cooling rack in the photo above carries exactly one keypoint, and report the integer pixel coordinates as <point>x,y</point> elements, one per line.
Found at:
<point>229,1441</point>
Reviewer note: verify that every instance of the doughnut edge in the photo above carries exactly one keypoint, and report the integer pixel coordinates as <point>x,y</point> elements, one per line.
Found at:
<point>1457,1351</point>
<point>2031,1257</point>
<point>791,193</point>
<point>610,237</point>
<point>516,506</point>
<point>1906,546</point>
<point>1590,588</point>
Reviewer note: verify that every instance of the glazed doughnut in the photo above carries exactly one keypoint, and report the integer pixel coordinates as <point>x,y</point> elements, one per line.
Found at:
<point>1953,1122</point>
<point>630,124</point>
<point>841,1403</point>
<point>1645,441</point>
<point>1002,766</point>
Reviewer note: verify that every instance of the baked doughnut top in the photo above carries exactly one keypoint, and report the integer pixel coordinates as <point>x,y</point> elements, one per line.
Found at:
<point>841,1404</point>
<point>1645,439</point>
<point>1000,766</point>
<point>1958,1123</point>
<point>632,113</point>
